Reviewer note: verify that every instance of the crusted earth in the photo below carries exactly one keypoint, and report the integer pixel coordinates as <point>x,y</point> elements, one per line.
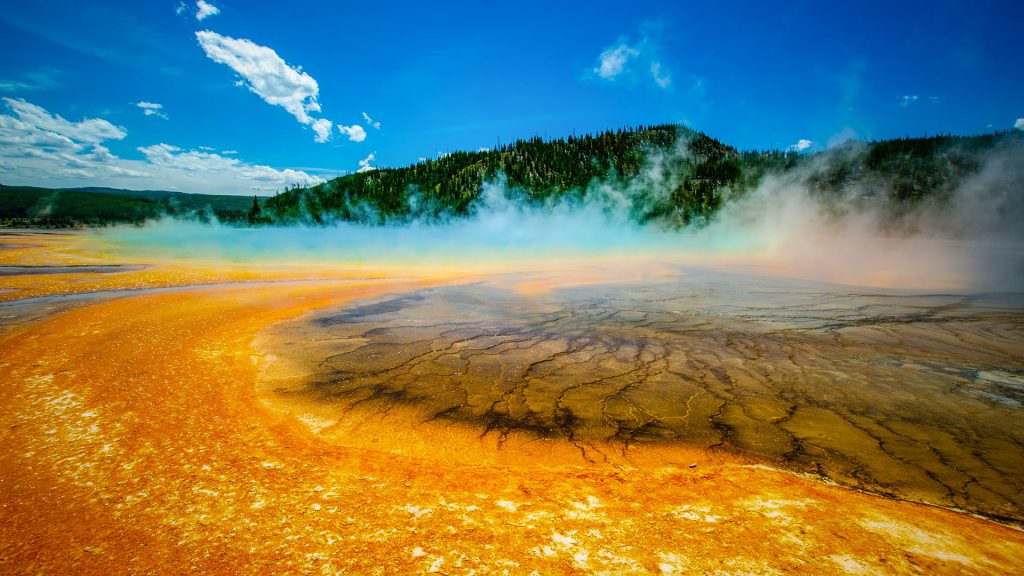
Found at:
<point>912,396</point>
<point>138,435</point>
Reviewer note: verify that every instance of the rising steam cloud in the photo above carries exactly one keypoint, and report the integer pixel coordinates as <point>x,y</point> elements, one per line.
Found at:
<point>971,240</point>
<point>968,241</point>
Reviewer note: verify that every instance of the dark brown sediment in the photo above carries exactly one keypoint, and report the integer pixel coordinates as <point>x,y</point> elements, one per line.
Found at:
<point>913,396</point>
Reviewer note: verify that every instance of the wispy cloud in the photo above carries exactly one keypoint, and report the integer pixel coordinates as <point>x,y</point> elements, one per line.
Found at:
<point>205,9</point>
<point>41,79</point>
<point>632,61</point>
<point>612,61</point>
<point>364,164</point>
<point>152,109</point>
<point>180,8</point>
<point>87,130</point>
<point>908,99</point>
<point>849,81</point>
<point>843,136</point>
<point>699,87</point>
<point>660,78</point>
<point>370,121</point>
<point>166,158</point>
<point>268,76</point>
<point>354,132</point>
<point>801,145</point>
<point>322,127</point>
<point>41,148</point>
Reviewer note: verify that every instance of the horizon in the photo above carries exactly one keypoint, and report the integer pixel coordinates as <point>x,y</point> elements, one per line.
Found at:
<point>216,97</point>
<point>271,194</point>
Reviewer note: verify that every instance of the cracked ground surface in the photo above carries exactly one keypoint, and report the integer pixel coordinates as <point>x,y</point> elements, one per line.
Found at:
<point>911,396</point>
<point>142,434</point>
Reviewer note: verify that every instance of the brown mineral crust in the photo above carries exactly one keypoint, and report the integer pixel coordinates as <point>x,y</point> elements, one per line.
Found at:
<point>133,441</point>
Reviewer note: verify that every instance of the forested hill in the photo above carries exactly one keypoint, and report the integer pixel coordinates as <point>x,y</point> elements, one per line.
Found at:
<point>666,174</point>
<point>672,175</point>
<point>698,169</point>
<point>27,206</point>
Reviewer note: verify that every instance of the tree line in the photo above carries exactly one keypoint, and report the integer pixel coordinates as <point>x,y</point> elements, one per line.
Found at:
<point>700,174</point>
<point>673,174</point>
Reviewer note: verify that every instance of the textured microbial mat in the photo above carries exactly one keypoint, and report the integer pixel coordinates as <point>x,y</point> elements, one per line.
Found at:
<point>193,418</point>
<point>917,396</point>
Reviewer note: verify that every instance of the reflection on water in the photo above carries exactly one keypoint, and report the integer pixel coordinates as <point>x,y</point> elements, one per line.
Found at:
<point>915,396</point>
<point>75,269</point>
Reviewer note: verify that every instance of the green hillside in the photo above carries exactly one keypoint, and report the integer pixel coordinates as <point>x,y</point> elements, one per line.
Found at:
<point>667,174</point>
<point>671,174</point>
<point>26,206</point>
<point>699,175</point>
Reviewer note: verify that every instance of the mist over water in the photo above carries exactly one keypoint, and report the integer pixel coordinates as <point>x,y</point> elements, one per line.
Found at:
<point>970,240</point>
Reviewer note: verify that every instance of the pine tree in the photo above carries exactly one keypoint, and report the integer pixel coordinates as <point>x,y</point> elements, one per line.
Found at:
<point>254,212</point>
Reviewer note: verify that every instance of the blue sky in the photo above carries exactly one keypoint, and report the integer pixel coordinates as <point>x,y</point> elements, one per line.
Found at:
<point>259,94</point>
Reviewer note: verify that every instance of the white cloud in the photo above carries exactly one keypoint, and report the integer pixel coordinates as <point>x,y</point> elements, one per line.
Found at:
<point>1019,124</point>
<point>181,8</point>
<point>204,10</point>
<point>37,143</point>
<point>612,61</point>
<point>208,163</point>
<point>193,169</point>
<point>43,149</point>
<point>660,78</point>
<point>801,145</point>
<point>152,109</point>
<point>354,132</point>
<point>21,138</point>
<point>370,122</point>
<point>229,152</point>
<point>364,164</point>
<point>266,75</point>
<point>908,99</point>
<point>89,130</point>
<point>632,61</point>
<point>322,127</point>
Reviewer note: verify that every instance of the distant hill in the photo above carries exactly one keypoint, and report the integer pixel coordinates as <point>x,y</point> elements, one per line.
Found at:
<point>75,207</point>
<point>690,184</point>
<point>668,173</point>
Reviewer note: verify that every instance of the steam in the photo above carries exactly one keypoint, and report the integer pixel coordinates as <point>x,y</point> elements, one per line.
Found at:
<point>971,241</point>
<point>781,229</point>
<point>503,235</point>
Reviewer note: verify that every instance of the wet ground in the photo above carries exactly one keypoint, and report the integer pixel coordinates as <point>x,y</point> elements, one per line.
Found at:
<point>79,269</point>
<point>205,418</point>
<point>917,396</point>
